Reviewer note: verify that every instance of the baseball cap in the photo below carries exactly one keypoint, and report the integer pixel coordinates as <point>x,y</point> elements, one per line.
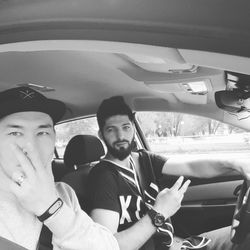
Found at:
<point>24,99</point>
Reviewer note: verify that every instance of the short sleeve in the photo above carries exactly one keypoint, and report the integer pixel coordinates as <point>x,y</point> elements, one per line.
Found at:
<point>103,189</point>
<point>158,162</point>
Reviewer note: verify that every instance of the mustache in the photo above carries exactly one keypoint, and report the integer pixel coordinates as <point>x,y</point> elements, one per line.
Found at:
<point>121,141</point>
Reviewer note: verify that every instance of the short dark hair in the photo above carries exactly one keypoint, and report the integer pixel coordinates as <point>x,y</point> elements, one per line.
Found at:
<point>113,106</point>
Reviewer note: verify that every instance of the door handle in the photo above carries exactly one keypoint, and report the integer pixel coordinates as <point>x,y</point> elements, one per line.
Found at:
<point>237,190</point>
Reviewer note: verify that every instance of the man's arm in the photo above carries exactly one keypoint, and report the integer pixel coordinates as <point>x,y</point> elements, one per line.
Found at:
<point>132,238</point>
<point>204,167</point>
<point>167,203</point>
<point>73,229</point>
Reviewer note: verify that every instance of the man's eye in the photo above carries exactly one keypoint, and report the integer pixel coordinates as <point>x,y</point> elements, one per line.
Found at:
<point>126,127</point>
<point>15,133</point>
<point>109,130</point>
<point>43,133</point>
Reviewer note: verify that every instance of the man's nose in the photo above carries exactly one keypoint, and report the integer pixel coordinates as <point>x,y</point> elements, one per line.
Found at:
<point>120,134</point>
<point>27,144</point>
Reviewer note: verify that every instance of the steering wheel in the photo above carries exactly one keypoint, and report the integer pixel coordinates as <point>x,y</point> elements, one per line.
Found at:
<point>241,219</point>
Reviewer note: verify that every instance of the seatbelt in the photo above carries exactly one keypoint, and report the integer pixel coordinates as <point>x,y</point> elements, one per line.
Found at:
<point>165,233</point>
<point>45,239</point>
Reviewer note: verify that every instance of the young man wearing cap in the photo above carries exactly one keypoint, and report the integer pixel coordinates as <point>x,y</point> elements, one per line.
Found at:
<point>29,198</point>
<point>124,195</point>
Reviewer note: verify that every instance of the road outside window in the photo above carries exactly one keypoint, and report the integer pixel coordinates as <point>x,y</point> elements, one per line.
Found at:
<point>183,134</point>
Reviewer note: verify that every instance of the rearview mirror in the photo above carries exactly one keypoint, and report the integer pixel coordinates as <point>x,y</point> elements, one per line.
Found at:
<point>233,101</point>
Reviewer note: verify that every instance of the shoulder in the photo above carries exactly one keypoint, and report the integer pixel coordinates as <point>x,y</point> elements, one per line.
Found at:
<point>155,162</point>
<point>103,174</point>
<point>103,168</point>
<point>63,188</point>
<point>152,156</point>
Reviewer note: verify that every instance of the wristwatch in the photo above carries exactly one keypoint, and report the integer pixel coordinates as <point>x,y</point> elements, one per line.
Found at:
<point>157,218</point>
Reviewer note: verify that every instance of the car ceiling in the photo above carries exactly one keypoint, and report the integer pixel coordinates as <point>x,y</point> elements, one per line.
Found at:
<point>90,50</point>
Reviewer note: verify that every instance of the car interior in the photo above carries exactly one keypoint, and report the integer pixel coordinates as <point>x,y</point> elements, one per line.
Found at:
<point>80,156</point>
<point>187,57</point>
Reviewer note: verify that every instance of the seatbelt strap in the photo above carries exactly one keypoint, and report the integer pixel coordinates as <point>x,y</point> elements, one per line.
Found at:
<point>45,239</point>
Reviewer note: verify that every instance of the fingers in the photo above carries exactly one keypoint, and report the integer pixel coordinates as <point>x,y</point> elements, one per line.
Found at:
<point>184,187</point>
<point>24,161</point>
<point>9,164</point>
<point>18,177</point>
<point>178,186</point>
<point>15,188</point>
<point>168,201</point>
<point>17,183</point>
<point>34,157</point>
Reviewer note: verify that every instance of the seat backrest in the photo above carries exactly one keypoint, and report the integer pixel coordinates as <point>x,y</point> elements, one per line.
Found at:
<point>59,169</point>
<point>81,154</point>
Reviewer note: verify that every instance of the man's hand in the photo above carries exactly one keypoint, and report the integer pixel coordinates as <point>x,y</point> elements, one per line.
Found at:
<point>33,184</point>
<point>168,201</point>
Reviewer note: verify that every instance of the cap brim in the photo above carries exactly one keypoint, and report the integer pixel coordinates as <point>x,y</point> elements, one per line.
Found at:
<point>54,108</point>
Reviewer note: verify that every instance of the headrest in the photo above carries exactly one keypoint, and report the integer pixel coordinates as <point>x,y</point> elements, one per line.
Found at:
<point>83,149</point>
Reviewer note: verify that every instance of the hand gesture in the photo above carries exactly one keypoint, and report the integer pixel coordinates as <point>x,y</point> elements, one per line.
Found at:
<point>33,183</point>
<point>168,201</point>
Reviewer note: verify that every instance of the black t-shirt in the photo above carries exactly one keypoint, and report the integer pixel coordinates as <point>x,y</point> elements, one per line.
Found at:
<point>108,189</point>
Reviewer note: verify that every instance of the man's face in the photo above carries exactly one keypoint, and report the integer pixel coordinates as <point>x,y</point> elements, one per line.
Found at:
<point>30,131</point>
<point>118,134</point>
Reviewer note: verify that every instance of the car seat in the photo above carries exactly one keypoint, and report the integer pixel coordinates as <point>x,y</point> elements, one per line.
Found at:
<point>81,154</point>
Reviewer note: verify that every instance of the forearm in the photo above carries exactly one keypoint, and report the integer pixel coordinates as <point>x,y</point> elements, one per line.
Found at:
<point>75,231</point>
<point>134,237</point>
<point>213,168</point>
<point>207,168</point>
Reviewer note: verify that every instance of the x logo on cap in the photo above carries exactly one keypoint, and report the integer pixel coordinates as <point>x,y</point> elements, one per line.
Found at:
<point>27,94</point>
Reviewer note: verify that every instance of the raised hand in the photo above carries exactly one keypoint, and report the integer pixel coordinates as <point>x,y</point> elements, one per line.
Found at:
<point>168,201</point>
<point>32,183</point>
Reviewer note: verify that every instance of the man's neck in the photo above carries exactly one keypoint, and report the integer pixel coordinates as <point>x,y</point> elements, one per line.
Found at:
<point>124,163</point>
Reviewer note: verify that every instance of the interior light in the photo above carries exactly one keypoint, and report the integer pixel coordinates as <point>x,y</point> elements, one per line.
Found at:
<point>146,59</point>
<point>198,87</point>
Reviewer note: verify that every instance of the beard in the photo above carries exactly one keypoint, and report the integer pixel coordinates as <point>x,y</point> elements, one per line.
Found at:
<point>122,152</point>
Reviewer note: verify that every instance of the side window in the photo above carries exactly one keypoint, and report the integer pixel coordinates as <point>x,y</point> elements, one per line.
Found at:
<point>179,134</point>
<point>65,131</point>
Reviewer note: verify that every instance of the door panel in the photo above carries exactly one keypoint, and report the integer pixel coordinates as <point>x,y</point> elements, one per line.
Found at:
<point>206,207</point>
<point>208,193</point>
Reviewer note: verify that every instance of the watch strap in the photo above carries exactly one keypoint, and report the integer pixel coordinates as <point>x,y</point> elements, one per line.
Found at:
<point>152,213</point>
<point>51,210</point>
<point>153,216</point>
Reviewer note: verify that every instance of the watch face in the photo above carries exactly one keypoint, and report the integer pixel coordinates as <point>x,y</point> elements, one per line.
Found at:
<point>159,220</point>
